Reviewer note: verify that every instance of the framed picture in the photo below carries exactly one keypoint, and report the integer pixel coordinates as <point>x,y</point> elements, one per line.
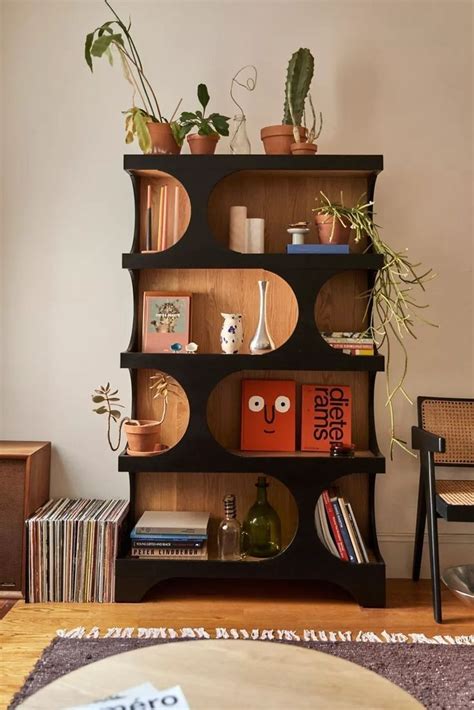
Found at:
<point>268,415</point>
<point>166,320</point>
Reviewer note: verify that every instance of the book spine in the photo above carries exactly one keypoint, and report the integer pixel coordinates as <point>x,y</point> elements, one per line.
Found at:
<point>158,544</point>
<point>344,532</point>
<point>352,517</point>
<point>334,527</point>
<point>352,345</point>
<point>173,553</point>
<point>350,530</point>
<point>169,532</point>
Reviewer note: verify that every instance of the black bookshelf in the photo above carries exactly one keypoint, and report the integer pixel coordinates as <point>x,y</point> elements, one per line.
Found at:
<point>304,474</point>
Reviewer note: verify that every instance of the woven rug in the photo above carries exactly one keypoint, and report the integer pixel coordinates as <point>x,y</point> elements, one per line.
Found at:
<point>441,677</point>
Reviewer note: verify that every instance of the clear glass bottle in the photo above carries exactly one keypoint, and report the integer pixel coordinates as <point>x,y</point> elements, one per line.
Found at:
<point>229,532</point>
<point>261,536</point>
<point>239,140</point>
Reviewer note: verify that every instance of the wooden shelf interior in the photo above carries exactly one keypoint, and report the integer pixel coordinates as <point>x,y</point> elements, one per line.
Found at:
<point>224,404</point>
<point>280,197</point>
<point>157,180</point>
<point>177,414</point>
<point>340,305</point>
<point>216,291</point>
<point>205,492</point>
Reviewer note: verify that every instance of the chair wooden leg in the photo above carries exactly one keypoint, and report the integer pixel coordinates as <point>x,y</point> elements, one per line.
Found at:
<point>434,551</point>
<point>419,532</point>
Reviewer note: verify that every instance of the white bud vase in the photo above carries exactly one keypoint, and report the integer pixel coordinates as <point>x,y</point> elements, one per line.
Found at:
<point>262,341</point>
<point>232,333</point>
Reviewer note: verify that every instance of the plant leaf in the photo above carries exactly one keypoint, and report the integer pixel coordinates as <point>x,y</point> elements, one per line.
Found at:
<point>109,56</point>
<point>115,413</point>
<point>87,49</point>
<point>101,410</point>
<point>101,45</point>
<point>142,132</point>
<point>187,116</point>
<point>203,95</point>
<point>98,398</point>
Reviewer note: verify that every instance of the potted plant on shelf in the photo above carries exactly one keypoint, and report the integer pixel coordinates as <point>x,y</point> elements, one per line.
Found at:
<point>334,220</point>
<point>142,434</point>
<point>277,140</point>
<point>391,301</point>
<point>209,128</point>
<point>145,123</point>
<point>308,146</point>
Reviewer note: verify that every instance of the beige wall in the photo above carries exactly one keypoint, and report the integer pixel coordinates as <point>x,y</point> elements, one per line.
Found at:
<point>392,78</point>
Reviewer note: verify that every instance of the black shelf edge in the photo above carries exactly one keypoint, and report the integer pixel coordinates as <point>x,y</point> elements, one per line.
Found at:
<point>219,258</point>
<point>364,164</point>
<point>280,359</point>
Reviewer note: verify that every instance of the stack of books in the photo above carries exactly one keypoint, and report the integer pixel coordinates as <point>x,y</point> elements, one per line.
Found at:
<point>351,343</point>
<point>317,249</point>
<point>337,528</point>
<point>170,535</point>
<point>72,546</point>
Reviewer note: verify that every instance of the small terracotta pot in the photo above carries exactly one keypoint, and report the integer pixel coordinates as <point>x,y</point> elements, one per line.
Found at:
<point>303,148</point>
<point>277,140</point>
<point>327,225</point>
<point>142,434</point>
<point>162,139</point>
<point>202,145</point>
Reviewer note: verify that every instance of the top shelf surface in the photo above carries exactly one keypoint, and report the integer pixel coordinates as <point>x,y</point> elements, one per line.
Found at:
<point>327,164</point>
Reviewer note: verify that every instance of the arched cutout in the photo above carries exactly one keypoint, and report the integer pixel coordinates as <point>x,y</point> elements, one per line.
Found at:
<point>176,420</point>
<point>205,491</point>
<point>217,291</point>
<point>175,210</point>
<point>341,303</point>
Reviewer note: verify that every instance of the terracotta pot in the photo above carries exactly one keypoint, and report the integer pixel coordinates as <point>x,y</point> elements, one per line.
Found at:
<point>162,139</point>
<point>142,434</point>
<point>159,449</point>
<point>303,148</point>
<point>202,145</point>
<point>277,140</point>
<point>327,225</point>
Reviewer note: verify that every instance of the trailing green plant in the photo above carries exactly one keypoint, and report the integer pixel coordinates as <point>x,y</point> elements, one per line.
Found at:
<point>298,80</point>
<point>214,124</point>
<point>109,403</point>
<point>392,305</point>
<point>115,35</point>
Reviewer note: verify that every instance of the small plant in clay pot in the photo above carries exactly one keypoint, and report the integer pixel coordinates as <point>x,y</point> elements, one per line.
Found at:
<point>277,140</point>
<point>145,123</point>
<point>309,146</point>
<point>209,128</point>
<point>142,434</point>
<point>334,220</point>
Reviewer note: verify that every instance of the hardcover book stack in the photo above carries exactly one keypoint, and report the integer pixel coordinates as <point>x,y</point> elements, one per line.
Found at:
<point>351,343</point>
<point>163,534</point>
<point>72,546</point>
<point>337,528</point>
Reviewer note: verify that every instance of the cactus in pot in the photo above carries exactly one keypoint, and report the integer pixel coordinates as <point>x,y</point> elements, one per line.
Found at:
<point>278,139</point>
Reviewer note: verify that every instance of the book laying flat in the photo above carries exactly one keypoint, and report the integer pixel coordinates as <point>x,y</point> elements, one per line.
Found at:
<point>170,553</point>
<point>167,522</point>
<point>317,249</point>
<point>155,544</point>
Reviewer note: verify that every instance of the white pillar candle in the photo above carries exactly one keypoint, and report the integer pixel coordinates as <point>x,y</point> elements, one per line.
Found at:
<point>238,228</point>
<point>255,235</point>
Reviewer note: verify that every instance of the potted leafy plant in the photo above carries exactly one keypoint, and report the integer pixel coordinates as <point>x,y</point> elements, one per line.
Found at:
<point>278,139</point>
<point>334,221</point>
<point>209,128</point>
<point>142,434</point>
<point>145,123</point>
<point>391,301</point>
<point>308,146</point>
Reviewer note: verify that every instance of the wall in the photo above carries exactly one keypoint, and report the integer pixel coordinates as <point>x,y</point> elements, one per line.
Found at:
<point>392,78</point>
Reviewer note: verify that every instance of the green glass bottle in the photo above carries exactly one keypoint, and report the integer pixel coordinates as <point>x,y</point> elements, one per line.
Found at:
<point>261,531</point>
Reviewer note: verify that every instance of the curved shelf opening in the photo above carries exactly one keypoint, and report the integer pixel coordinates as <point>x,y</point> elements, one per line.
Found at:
<point>214,292</point>
<point>245,414</point>
<point>205,492</point>
<point>340,313</point>
<point>149,406</point>
<point>279,198</point>
<point>170,211</point>
<point>343,520</point>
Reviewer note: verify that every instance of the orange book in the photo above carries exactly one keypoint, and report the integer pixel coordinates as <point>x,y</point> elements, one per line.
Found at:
<point>268,415</point>
<point>326,416</point>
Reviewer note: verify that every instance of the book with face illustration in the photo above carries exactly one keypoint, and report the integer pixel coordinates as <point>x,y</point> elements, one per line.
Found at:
<point>268,415</point>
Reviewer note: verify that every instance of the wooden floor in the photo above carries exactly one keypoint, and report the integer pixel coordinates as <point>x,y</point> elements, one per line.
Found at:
<point>27,628</point>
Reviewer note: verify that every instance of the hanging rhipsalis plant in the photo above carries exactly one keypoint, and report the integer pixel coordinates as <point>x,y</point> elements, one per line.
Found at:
<point>112,37</point>
<point>392,300</point>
